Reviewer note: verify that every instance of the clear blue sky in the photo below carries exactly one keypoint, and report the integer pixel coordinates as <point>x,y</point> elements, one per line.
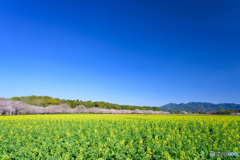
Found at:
<point>126,52</point>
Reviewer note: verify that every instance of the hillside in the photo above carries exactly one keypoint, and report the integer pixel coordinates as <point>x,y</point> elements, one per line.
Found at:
<point>45,101</point>
<point>199,107</point>
<point>17,107</point>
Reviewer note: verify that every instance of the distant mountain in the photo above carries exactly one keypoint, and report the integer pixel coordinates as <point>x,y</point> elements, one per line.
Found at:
<point>199,106</point>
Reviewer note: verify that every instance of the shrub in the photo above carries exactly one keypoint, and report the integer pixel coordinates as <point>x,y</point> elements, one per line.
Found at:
<point>15,98</point>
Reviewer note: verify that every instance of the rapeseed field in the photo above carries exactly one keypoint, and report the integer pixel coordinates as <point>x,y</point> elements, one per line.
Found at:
<point>100,137</point>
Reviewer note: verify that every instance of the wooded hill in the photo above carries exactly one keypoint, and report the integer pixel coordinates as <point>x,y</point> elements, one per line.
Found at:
<point>45,101</point>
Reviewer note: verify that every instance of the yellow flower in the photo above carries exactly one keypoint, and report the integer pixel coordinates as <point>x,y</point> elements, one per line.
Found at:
<point>180,143</point>
<point>122,143</point>
<point>235,149</point>
<point>182,155</point>
<point>164,142</point>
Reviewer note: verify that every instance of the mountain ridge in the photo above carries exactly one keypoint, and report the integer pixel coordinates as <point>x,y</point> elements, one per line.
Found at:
<point>199,107</point>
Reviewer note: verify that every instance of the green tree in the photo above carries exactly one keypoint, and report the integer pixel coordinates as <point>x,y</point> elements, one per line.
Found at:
<point>15,98</point>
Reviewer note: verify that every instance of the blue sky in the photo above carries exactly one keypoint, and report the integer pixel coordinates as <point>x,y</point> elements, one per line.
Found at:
<point>126,52</point>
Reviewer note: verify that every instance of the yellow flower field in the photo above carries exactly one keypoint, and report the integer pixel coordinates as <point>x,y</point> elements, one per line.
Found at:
<point>96,136</point>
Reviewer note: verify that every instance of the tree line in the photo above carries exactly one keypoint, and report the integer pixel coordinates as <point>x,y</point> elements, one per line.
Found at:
<point>226,112</point>
<point>219,112</point>
<point>189,112</point>
<point>45,101</point>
